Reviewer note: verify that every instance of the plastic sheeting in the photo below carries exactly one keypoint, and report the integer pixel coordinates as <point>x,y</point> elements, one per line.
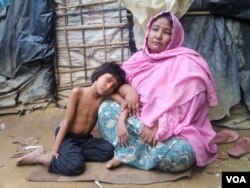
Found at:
<point>143,10</point>
<point>88,33</point>
<point>4,3</point>
<point>223,40</point>
<point>221,37</point>
<point>215,43</point>
<point>226,8</point>
<point>26,53</point>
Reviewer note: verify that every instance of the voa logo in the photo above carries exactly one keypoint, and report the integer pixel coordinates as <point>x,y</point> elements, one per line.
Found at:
<point>235,179</point>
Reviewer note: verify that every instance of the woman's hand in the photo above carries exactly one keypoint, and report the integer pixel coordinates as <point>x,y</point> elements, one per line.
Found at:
<point>132,99</point>
<point>133,104</point>
<point>148,135</point>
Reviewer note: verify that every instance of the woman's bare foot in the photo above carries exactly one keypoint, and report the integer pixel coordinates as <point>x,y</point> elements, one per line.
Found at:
<point>31,158</point>
<point>113,163</point>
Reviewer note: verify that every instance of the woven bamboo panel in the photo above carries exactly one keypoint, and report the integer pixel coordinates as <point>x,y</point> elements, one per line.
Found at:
<point>88,33</point>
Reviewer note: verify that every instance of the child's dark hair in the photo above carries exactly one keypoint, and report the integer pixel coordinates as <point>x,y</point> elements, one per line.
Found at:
<point>111,68</point>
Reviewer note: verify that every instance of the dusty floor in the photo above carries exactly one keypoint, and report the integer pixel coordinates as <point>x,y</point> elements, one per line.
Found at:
<point>37,128</point>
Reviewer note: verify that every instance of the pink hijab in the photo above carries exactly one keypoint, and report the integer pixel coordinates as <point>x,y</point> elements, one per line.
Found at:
<point>168,79</point>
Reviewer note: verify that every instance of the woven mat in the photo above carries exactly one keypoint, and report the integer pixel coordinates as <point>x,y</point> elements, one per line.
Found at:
<point>120,175</point>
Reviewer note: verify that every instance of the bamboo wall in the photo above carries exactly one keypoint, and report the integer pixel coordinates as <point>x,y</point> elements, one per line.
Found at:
<point>88,33</point>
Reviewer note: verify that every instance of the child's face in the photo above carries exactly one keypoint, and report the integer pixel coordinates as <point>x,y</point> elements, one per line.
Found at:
<point>106,84</point>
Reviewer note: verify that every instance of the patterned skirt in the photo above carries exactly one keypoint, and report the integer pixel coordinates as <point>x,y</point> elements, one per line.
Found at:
<point>172,155</point>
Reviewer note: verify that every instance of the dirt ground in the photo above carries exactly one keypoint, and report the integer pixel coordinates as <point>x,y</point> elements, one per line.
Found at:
<point>37,128</point>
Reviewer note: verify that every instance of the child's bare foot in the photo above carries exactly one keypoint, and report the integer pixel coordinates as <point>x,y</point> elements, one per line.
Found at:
<point>31,158</point>
<point>113,163</point>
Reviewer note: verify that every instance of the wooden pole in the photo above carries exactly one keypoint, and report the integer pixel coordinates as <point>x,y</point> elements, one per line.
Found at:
<point>96,26</point>
<point>86,4</point>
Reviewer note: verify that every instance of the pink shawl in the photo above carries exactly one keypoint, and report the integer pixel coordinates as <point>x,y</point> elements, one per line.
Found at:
<point>176,88</point>
<point>168,79</point>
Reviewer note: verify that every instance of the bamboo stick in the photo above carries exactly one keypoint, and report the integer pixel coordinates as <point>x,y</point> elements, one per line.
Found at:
<point>65,87</point>
<point>67,43</point>
<point>111,45</point>
<point>120,20</point>
<point>191,13</point>
<point>70,70</point>
<point>86,4</point>
<point>88,12</point>
<point>83,49</point>
<point>96,26</point>
<point>103,32</point>
<point>74,66</point>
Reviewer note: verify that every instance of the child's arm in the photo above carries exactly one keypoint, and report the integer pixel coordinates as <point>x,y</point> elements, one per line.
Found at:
<point>122,131</point>
<point>71,107</point>
<point>117,98</point>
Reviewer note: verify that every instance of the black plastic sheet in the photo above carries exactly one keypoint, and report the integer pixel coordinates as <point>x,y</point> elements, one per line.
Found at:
<point>26,35</point>
<point>227,8</point>
<point>27,50</point>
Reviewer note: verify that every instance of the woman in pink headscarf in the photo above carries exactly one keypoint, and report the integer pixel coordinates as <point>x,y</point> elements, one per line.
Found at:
<point>174,88</point>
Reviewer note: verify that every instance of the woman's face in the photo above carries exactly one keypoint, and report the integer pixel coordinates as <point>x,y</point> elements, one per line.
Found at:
<point>159,35</point>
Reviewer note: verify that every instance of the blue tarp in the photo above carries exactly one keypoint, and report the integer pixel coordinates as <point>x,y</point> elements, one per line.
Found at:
<point>223,39</point>
<point>4,3</point>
